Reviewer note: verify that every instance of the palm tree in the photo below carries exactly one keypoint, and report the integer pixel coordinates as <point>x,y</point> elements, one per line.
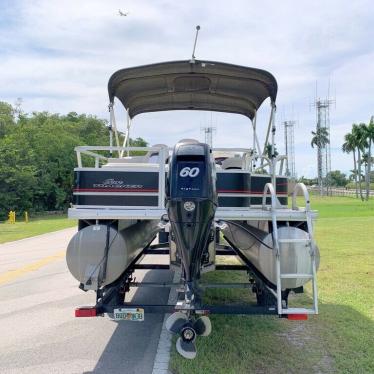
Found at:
<point>320,140</point>
<point>370,139</point>
<point>350,146</point>
<point>359,133</point>
<point>269,151</point>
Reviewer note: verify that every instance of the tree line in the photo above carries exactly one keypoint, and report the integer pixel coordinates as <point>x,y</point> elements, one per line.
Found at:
<point>337,178</point>
<point>359,142</point>
<point>37,157</point>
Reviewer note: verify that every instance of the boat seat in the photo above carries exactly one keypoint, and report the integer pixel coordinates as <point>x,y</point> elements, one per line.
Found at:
<point>130,166</point>
<point>150,159</point>
<point>128,160</point>
<point>153,156</point>
<point>236,162</point>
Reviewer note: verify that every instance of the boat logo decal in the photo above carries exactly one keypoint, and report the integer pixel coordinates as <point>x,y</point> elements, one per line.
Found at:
<point>112,183</point>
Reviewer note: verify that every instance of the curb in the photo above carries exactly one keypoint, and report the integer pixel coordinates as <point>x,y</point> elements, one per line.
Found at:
<point>161,363</point>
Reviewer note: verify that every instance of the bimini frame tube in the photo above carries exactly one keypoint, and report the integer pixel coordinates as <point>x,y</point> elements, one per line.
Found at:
<point>272,127</point>
<point>254,131</point>
<point>128,122</point>
<point>126,141</point>
<point>113,125</point>
<point>271,120</point>
<point>273,158</point>
<point>256,143</point>
<point>110,133</point>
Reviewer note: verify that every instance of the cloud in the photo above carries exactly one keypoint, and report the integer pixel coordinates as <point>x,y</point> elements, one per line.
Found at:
<point>58,56</point>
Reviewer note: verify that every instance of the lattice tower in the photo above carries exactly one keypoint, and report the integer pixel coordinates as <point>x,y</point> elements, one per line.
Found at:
<point>324,152</point>
<point>208,133</point>
<point>289,143</point>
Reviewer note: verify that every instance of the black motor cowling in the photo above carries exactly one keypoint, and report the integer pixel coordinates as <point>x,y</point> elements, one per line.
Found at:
<point>191,203</point>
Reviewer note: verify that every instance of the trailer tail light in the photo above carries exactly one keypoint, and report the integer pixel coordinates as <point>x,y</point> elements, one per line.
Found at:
<point>297,317</point>
<point>86,311</point>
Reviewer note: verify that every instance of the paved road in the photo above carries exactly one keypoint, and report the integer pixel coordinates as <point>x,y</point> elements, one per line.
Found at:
<point>38,331</point>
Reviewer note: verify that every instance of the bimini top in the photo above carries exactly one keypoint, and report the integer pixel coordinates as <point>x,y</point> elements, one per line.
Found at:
<point>198,85</point>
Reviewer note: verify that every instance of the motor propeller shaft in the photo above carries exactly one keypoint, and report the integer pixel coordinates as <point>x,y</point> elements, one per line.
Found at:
<point>188,329</point>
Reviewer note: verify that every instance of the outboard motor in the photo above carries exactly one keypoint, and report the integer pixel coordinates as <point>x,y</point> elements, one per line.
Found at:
<point>191,205</point>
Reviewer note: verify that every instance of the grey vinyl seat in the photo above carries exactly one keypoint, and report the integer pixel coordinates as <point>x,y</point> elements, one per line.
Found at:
<point>236,162</point>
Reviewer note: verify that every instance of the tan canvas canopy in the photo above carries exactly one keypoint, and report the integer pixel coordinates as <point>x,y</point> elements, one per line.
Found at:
<point>192,85</point>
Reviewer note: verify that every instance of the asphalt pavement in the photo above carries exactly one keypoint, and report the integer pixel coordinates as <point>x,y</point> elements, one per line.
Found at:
<point>38,330</point>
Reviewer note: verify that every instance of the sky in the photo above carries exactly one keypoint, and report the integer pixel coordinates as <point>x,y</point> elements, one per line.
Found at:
<point>58,56</point>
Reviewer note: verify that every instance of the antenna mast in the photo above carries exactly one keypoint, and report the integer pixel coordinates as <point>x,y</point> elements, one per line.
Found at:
<point>194,46</point>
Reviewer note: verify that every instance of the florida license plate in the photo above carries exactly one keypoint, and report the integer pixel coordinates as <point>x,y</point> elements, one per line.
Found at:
<point>128,314</point>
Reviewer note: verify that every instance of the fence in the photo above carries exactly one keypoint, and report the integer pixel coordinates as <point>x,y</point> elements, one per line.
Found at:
<point>335,191</point>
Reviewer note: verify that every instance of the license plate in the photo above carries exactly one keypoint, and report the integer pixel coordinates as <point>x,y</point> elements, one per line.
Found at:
<point>128,314</point>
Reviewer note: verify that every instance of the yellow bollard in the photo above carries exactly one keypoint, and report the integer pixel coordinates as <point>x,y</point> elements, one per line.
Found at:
<point>12,217</point>
<point>26,217</point>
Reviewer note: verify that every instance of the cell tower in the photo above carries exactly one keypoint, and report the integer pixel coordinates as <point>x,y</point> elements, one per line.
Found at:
<point>289,143</point>
<point>323,149</point>
<point>208,132</point>
<point>17,111</point>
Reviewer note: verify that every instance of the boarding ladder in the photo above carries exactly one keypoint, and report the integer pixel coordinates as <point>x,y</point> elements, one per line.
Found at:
<point>277,244</point>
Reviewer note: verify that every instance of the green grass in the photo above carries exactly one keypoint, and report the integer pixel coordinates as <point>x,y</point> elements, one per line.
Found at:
<point>338,207</point>
<point>339,340</point>
<point>35,226</point>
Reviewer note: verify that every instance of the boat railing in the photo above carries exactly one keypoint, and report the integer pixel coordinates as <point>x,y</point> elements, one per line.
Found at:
<point>247,156</point>
<point>90,151</point>
<point>162,151</point>
<point>266,161</point>
<point>277,247</point>
<point>103,155</point>
<point>300,187</point>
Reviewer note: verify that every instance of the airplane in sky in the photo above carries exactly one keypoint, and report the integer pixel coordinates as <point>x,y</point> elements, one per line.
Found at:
<point>123,14</point>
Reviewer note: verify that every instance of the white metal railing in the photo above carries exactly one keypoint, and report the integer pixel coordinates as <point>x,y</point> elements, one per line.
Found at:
<point>247,156</point>
<point>309,221</point>
<point>89,151</point>
<point>266,161</point>
<point>304,190</point>
<point>250,159</point>
<point>162,151</point>
<point>269,188</point>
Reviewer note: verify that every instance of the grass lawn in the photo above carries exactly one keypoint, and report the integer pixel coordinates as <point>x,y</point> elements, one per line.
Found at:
<point>339,340</point>
<point>35,226</point>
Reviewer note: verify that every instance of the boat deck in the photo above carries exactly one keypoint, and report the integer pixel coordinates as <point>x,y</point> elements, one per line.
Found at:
<point>241,214</point>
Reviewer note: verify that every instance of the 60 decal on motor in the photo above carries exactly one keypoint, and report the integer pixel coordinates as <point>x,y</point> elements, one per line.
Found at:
<point>189,172</point>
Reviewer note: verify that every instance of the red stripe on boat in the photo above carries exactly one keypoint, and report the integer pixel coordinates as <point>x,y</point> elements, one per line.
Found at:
<point>115,190</point>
